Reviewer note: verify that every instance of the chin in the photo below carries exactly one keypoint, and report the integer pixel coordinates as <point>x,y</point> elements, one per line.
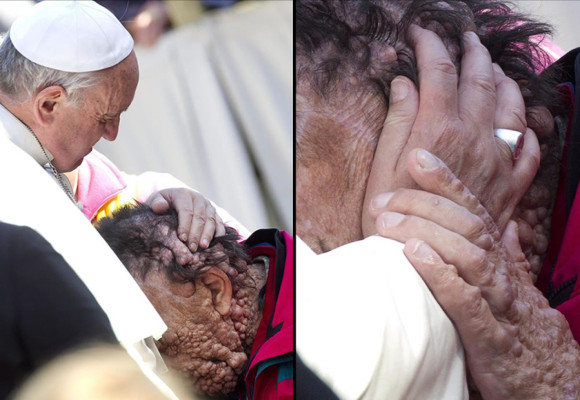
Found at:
<point>68,167</point>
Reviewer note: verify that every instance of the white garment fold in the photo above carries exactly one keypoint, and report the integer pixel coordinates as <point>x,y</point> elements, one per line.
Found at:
<point>30,197</point>
<point>370,328</point>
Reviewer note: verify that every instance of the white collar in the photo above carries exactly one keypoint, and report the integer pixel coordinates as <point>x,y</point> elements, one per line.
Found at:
<point>22,137</point>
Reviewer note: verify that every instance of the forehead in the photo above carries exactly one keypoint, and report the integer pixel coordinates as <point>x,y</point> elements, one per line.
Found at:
<point>115,92</point>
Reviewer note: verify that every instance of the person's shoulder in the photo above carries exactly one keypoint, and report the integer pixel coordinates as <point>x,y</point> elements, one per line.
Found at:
<point>23,245</point>
<point>11,234</point>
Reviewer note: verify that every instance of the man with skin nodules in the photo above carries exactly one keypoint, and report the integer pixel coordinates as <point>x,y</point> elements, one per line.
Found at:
<point>229,313</point>
<point>357,63</point>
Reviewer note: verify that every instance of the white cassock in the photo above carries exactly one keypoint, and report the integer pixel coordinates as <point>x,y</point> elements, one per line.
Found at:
<point>369,327</point>
<point>31,197</point>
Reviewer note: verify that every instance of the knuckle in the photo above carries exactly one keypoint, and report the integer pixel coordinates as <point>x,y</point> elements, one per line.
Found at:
<point>519,118</point>
<point>482,269</point>
<point>200,218</point>
<point>476,228</point>
<point>483,83</point>
<point>447,181</point>
<point>398,116</point>
<point>473,301</point>
<point>471,201</point>
<point>187,213</point>
<point>445,67</point>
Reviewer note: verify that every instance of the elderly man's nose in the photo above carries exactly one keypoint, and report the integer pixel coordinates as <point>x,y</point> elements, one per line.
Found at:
<point>112,130</point>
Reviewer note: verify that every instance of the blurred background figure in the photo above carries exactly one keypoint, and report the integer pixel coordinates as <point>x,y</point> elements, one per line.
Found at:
<point>98,372</point>
<point>214,104</point>
<point>147,20</point>
<point>214,108</point>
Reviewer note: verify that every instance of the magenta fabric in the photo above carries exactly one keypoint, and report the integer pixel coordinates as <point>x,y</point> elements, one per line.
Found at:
<point>99,180</point>
<point>270,374</point>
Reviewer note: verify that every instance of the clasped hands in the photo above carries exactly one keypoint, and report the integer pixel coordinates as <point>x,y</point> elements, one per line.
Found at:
<point>453,212</point>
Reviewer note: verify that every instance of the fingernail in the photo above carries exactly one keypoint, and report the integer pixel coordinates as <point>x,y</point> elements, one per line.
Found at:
<point>390,219</point>
<point>183,237</point>
<point>426,160</point>
<point>193,247</point>
<point>421,250</point>
<point>381,200</point>
<point>399,90</point>
<point>204,243</point>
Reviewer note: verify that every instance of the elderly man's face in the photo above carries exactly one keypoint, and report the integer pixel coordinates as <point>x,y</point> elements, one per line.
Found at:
<point>96,115</point>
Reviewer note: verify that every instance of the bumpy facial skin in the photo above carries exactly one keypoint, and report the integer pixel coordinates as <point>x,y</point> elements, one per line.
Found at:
<point>210,306</point>
<point>208,348</point>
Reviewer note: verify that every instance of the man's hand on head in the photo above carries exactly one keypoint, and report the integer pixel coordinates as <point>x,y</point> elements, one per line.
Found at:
<point>516,345</point>
<point>198,221</point>
<point>454,117</point>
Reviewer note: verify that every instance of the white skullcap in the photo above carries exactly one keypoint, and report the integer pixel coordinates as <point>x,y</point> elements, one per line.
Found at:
<point>72,36</point>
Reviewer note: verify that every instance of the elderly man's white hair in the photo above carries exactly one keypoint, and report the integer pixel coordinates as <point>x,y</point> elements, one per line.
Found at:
<point>61,43</point>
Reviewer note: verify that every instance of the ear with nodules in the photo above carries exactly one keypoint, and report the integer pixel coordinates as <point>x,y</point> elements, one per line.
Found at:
<point>221,289</point>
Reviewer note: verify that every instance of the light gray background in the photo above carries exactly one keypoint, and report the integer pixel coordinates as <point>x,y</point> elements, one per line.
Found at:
<point>564,16</point>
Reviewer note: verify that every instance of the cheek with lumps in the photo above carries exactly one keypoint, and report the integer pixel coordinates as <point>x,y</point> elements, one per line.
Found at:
<point>210,356</point>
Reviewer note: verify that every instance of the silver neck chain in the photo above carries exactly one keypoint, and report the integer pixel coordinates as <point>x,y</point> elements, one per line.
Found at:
<point>57,175</point>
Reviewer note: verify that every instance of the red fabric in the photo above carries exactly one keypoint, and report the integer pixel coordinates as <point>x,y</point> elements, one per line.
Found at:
<point>568,267</point>
<point>269,375</point>
<point>562,263</point>
<point>558,221</point>
<point>571,310</point>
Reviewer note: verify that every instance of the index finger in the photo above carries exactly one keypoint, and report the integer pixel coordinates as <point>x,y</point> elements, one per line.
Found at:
<point>476,89</point>
<point>198,222</point>
<point>464,304</point>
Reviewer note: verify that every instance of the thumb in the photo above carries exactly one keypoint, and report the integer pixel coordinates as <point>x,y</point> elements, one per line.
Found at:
<point>511,241</point>
<point>403,108</point>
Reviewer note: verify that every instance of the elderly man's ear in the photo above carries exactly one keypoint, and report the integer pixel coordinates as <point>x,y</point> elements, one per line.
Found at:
<point>47,102</point>
<point>220,286</point>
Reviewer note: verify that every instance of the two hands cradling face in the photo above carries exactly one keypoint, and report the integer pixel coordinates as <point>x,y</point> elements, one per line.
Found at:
<point>455,216</point>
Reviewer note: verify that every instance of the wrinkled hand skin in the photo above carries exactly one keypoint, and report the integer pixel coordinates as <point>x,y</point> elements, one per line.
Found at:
<point>454,118</point>
<point>198,220</point>
<point>516,346</point>
<point>457,127</point>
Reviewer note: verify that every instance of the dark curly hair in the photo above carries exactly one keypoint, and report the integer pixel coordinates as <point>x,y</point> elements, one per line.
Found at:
<point>139,237</point>
<point>334,40</point>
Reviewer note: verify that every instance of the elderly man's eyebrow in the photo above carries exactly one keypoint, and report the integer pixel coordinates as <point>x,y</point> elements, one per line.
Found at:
<point>113,115</point>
